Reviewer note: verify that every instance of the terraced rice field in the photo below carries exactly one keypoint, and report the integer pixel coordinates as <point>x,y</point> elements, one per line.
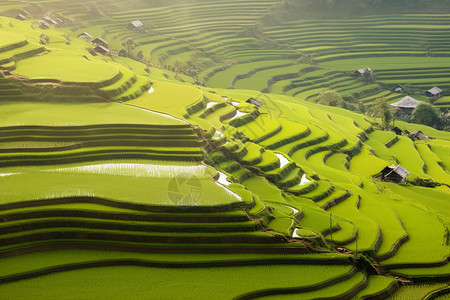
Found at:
<point>123,170</point>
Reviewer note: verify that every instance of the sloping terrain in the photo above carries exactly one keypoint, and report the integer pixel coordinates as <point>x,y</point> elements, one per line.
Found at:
<point>120,179</point>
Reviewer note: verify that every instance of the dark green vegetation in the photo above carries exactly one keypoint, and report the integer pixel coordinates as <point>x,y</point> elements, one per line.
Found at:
<point>141,175</point>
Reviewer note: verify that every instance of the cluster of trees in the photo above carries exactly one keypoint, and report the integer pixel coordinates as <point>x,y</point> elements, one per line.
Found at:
<point>188,69</point>
<point>427,114</point>
<point>424,113</point>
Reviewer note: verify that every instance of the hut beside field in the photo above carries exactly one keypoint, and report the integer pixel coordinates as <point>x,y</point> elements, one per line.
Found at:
<point>21,17</point>
<point>43,24</point>
<point>398,89</point>
<point>406,105</point>
<point>135,25</point>
<point>101,50</point>
<point>100,42</point>
<point>395,174</point>
<point>50,20</point>
<point>397,130</point>
<point>434,92</point>
<point>362,71</point>
<point>419,135</point>
<point>255,102</point>
<point>84,35</point>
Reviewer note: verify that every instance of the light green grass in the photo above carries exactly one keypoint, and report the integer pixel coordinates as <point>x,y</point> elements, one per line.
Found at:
<point>77,114</point>
<point>67,67</point>
<point>125,282</point>
<point>169,98</point>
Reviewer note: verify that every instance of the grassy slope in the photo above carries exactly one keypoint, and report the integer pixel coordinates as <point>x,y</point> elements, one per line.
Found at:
<point>173,99</point>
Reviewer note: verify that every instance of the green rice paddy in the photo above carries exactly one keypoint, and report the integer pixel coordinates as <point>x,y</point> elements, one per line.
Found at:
<point>160,182</point>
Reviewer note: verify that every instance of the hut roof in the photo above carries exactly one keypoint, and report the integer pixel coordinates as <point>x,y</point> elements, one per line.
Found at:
<point>21,17</point>
<point>136,23</point>
<point>363,70</point>
<point>419,135</point>
<point>401,171</point>
<point>406,102</point>
<point>255,102</point>
<point>435,91</point>
<point>85,35</point>
<point>101,49</point>
<point>99,41</point>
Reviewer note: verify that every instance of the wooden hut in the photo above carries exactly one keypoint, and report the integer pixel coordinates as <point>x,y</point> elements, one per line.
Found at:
<point>397,130</point>
<point>21,17</point>
<point>255,102</point>
<point>396,174</point>
<point>434,92</point>
<point>84,35</point>
<point>398,89</point>
<point>101,50</point>
<point>406,105</point>
<point>419,135</point>
<point>43,24</point>
<point>135,25</point>
<point>100,42</point>
<point>362,71</point>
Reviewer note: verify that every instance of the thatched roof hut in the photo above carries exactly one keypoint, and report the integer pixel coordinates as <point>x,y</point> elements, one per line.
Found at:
<point>434,92</point>
<point>407,104</point>
<point>396,174</point>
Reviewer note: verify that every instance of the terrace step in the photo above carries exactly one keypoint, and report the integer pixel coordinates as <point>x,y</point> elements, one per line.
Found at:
<point>140,86</point>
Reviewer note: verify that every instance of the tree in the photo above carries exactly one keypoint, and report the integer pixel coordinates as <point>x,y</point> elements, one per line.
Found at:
<point>383,110</point>
<point>140,55</point>
<point>192,71</point>
<point>368,75</point>
<point>129,45</point>
<point>426,114</point>
<point>178,67</point>
<point>330,98</point>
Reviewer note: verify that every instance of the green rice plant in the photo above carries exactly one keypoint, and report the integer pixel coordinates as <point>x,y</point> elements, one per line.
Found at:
<point>365,163</point>
<point>169,98</point>
<point>424,273</point>
<point>55,114</point>
<point>65,67</point>
<point>225,78</point>
<point>337,161</point>
<point>341,289</point>
<point>441,149</point>
<point>407,155</point>
<point>433,163</point>
<point>290,132</point>
<point>392,231</point>
<point>127,281</point>
<point>416,291</point>
<point>82,184</point>
<point>426,243</point>
<point>376,286</point>
<point>369,234</point>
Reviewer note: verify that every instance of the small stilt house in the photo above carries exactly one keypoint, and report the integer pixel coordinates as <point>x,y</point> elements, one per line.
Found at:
<point>21,17</point>
<point>398,89</point>
<point>135,25</point>
<point>99,42</point>
<point>85,35</point>
<point>397,130</point>
<point>396,174</point>
<point>255,102</point>
<point>362,71</point>
<point>43,24</point>
<point>101,50</point>
<point>419,135</point>
<point>406,105</point>
<point>434,92</point>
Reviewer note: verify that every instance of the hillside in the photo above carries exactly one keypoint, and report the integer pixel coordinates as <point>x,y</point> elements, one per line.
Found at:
<point>153,176</point>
